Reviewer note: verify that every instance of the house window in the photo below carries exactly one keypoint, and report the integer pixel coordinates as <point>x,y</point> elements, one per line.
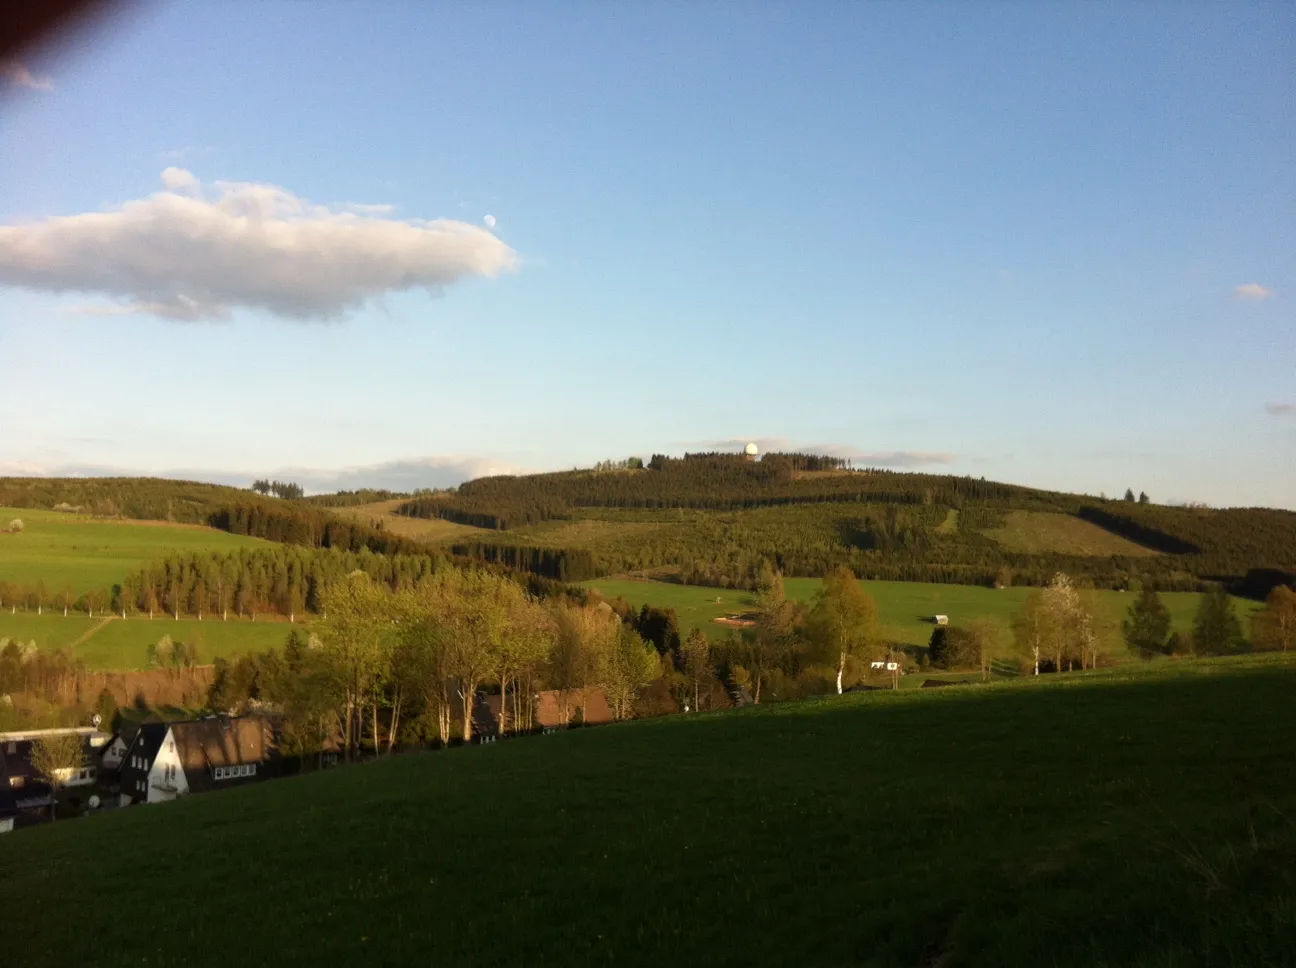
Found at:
<point>171,746</point>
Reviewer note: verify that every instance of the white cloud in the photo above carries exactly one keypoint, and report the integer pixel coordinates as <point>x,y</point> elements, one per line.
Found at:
<point>1252,291</point>
<point>18,74</point>
<point>179,180</point>
<point>190,253</point>
<point>490,221</point>
<point>1281,409</point>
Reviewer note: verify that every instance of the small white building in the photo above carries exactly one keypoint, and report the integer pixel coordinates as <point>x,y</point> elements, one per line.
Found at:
<point>941,619</point>
<point>888,665</point>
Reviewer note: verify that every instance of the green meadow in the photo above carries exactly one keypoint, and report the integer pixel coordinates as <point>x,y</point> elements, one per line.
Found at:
<point>84,553</point>
<point>1141,817</point>
<point>115,643</point>
<point>905,609</point>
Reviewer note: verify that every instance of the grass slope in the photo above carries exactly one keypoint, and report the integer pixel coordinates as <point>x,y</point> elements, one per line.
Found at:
<point>904,608</point>
<point>120,644</point>
<point>1044,532</point>
<point>92,553</point>
<point>431,530</point>
<point>1093,820</point>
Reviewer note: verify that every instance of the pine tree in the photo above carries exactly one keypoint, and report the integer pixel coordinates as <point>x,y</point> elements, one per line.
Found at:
<point>1147,626</point>
<point>1216,630</point>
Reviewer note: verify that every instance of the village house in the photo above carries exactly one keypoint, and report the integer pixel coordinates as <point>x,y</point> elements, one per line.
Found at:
<point>165,761</point>
<point>25,795</point>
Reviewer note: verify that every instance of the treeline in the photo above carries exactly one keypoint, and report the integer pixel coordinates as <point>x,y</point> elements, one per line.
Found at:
<point>286,581</point>
<point>286,490</point>
<point>294,524</point>
<point>346,499</point>
<point>564,565</point>
<point>411,664</point>
<point>140,498</point>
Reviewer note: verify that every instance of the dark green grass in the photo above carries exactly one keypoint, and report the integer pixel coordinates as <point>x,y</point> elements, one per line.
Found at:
<point>1099,820</point>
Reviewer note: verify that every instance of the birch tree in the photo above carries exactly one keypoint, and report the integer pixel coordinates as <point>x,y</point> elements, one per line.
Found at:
<point>844,619</point>
<point>696,659</point>
<point>1273,628</point>
<point>57,759</point>
<point>358,616</point>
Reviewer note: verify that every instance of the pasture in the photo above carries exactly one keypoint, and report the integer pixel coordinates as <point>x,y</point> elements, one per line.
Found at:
<point>114,643</point>
<point>83,553</point>
<point>1118,818</point>
<point>904,608</point>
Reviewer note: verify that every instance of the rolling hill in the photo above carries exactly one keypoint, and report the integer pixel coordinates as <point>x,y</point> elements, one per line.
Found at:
<point>713,519</point>
<point>1093,819</point>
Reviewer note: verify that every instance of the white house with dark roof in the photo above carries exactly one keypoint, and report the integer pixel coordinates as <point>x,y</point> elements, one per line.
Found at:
<point>169,760</point>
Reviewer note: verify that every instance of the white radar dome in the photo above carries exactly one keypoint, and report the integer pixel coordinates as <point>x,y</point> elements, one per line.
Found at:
<point>752,450</point>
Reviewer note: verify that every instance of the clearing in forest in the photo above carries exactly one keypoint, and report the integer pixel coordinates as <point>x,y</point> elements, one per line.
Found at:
<point>1046,532</point>
<point>84,553</point>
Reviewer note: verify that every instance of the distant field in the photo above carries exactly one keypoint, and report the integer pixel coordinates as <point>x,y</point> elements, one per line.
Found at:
<point>1132,818</point>
<point>431,530</point>
<point>85,553</point>
<point>904,608</point>
<point>1043,532</point>
<point>123,643</point>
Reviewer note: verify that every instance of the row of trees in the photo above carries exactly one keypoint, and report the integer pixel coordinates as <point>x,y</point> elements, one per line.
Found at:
<point>412,660</point>
<point>286,490</point>
<point>1216,629</point>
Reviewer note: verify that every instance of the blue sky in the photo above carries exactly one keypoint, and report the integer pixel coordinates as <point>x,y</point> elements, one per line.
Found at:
<point>1001,241</point>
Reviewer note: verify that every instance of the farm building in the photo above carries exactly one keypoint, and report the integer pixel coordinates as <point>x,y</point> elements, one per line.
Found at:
<point>887,665</point>
<point>941,619</point>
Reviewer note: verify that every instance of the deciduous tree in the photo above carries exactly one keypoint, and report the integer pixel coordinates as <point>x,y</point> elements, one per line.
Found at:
<point>844,620</point>
<point>1273,628</point>
<point>58,758</point>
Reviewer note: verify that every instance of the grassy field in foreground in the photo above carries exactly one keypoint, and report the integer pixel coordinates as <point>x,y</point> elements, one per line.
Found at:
<point>116,643</point>
<point>84,553</point>
<point>904,608</point>
<point>1139,820</point>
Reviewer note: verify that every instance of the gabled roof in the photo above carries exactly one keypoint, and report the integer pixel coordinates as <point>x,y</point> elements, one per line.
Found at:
<point>221,741</point>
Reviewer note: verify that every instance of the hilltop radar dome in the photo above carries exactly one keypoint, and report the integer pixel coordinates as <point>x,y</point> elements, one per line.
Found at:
<point>751,450</point>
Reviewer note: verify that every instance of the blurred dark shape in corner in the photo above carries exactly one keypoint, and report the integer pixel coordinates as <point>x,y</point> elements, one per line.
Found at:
<point>25,24</point>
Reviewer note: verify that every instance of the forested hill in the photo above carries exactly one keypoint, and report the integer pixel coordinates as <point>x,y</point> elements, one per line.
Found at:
<point>715,517</point>
<point>715,482</point>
